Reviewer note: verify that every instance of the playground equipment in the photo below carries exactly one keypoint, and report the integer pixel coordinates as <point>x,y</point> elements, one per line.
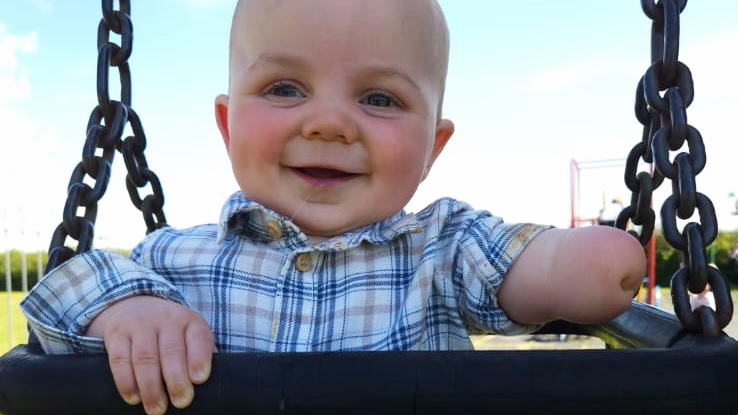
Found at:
<point>575,189</point>
<point>654,364</point>
<point>577,220</point>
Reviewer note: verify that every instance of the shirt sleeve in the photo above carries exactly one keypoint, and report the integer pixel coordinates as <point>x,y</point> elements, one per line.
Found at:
<point>61,306</point>
<point>488,250</point>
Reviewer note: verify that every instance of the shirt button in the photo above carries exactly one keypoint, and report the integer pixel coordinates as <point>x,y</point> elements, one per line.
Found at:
<point>304,261</point>
<point>273,229</point>
<point>274,328</point>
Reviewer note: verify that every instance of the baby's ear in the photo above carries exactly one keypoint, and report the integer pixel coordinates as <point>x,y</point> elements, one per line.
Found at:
<point>444,131</point>
<point>221,118</point>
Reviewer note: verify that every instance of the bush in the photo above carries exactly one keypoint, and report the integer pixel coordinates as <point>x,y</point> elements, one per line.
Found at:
<point>16,268</point>
<point>668,260</point>
<point>32,267</point>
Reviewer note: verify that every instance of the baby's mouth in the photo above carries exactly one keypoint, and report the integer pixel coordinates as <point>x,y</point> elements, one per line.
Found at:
<point>323,173</point>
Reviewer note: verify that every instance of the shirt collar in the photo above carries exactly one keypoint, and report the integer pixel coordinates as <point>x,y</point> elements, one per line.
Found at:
<point>242,216</point>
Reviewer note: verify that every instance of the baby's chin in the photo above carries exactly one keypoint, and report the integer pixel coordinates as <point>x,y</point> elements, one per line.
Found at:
<point>326,220</point>
<point>325,227</point>
<point>321,231</point>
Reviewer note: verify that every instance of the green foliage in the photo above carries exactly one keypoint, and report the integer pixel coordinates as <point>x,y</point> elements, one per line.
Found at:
<point>31,267</point>
<point>16,268</point>
<point>725,244</point>
<point>668,260</point>
<point>17,331</point>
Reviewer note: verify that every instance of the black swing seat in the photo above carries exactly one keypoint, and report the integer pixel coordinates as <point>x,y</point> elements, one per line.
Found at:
<point>651,366</point>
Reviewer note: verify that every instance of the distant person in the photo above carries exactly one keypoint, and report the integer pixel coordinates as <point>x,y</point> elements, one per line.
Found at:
<point>705,298</point>
<point>609,214</point>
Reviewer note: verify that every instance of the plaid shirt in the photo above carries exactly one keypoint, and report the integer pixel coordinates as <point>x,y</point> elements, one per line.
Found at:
<point>411,282</point>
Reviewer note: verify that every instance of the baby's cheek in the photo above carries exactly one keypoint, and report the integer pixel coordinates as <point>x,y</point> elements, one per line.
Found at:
<point>407,155</point>
<point>405,169</point>
<point>262,127</point>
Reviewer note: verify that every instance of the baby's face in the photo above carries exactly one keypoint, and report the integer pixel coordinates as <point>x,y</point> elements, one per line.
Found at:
<point>332,114</point>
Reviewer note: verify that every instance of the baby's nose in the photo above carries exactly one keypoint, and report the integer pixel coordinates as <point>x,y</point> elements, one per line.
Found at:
<point>334,124</point>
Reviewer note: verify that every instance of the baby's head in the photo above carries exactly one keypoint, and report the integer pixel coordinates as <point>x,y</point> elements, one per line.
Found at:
<point>333,113</point>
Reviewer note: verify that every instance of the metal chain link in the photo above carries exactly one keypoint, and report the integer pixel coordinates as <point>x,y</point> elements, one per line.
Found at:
<point>665,129</point>
<point>105,131</point>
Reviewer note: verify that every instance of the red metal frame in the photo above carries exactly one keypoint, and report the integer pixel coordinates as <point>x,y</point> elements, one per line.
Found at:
<point>575,169</point>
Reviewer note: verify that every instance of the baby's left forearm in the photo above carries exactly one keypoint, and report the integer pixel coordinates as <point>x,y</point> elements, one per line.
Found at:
<point>584,275</point>
<point>604,267</point>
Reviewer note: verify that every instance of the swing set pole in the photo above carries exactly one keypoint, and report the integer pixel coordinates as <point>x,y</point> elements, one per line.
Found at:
<point>651,269</point>
<point>573,191</point>
<point>575,168</point>
<point>651,260</point>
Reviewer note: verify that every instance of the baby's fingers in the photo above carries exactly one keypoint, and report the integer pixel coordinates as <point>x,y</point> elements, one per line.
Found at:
<point>147,371</point>
<point>174,367</point>
<point>199,339</point>
<point>119,356</point>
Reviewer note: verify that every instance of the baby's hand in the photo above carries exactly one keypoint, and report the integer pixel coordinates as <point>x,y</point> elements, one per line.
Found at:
<point>149,339</point>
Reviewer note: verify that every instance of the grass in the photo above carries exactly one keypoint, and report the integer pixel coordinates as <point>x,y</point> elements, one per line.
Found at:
<point>18,330</point>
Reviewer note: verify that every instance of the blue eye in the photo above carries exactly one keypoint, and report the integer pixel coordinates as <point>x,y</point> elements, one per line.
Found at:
<point>284,91</point>
<point>379,100</point>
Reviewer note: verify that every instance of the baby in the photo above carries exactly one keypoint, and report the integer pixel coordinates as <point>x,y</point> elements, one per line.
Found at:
<point>332,120</point>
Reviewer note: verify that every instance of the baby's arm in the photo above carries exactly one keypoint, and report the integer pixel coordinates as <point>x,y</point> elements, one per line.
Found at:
<point>149,339</point>
<point>583,275</point>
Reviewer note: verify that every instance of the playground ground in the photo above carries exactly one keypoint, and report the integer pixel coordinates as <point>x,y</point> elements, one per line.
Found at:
<point>543,342</point>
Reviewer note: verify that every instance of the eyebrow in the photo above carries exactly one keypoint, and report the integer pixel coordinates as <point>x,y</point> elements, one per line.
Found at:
<point>388,72</point>
<point>277,59</point>
<point>378,71</point>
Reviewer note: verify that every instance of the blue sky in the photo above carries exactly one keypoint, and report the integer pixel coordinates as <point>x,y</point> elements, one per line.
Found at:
<point>531,86</point>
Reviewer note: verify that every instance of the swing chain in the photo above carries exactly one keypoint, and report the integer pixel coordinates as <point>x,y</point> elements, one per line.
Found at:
<point>665,129</point>
<point>104,131</point>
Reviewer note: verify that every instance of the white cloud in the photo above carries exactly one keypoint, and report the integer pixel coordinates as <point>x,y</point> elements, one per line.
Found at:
<point>24,137</point>
<point>563,76</point>
<point>14,85</point>
<point>45,6</point>
<point>577,74</point>
<point>14,82</point>
<point>10,43</point>
<point>712,60</point>
<point>208,3</point>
